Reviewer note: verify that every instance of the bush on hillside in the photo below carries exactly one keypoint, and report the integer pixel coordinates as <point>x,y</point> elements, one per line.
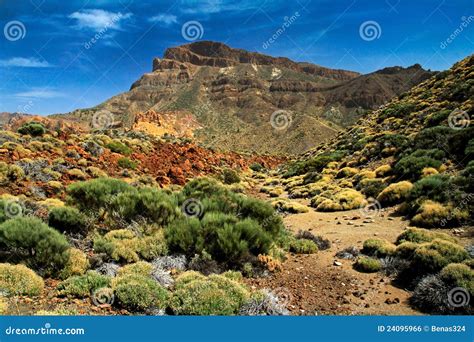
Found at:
<point>433,256</point>
<point>96,193</point>
<point>230,176</point>
<point>19,280</point>
<point>82,286</point>
<point>35,129</point>
<point>118,147</point>
<point>29,239</point>
<point>395,193</point>
<point>67,219</point>
<point>368,265</point>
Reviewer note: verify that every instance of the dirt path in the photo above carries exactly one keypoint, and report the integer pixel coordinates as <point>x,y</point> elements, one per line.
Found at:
<point>317,286</point>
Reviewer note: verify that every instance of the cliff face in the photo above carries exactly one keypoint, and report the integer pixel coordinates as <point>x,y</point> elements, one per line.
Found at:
<point>230,95</point>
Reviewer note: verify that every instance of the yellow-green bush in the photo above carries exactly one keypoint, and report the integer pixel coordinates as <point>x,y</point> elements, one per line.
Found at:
<point>367,265</point>
<point>290,206</point>
<point>3,305</point>
<point>77,264</point>
<point>378,248</point>
<point>138,292</point>
<point>431,257</point>
<point>19,280</point>
<point>383,171</point>
<point>395,193</point>
<point>344,199</point>
<point>458,275</point>
<point>432,214</point>
<point>83,286</point>
<point>418,235</point>
<point>213,295</point>
<point>346,172</point>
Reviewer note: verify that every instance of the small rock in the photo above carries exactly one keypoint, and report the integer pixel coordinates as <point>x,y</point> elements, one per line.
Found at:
<point>350,223</point>
<point>390,218</point>
<point>337,263</point>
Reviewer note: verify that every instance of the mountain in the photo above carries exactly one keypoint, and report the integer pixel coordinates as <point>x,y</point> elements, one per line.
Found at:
<point>239,100</point>
<point>416,151</point>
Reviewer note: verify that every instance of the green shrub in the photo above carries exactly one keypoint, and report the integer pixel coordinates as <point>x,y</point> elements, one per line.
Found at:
<point>84,285</point>
<point>433,256</point>
<point>229,176</point>
<point>411,167</point>
<point>368,265</point>
<point>315,164</point>
<point>371,187</point>
<point>127,163</point>
<point>436,118</point>
<point>19,280</point>
<point>303,246</point>
<point>458,275</point>
<point>138,292</point>
<point>35,242</point>
<point>378,248</point>
<point>406,249</point>
<point>397,110</point>
<point>417,235</point>
<point>67,219</point>
<point>118,147</point>
<point>35,129</point>
<point>96,193</point>
<point>152,204</point>
<point>257,167</point>
<point>213,295</point>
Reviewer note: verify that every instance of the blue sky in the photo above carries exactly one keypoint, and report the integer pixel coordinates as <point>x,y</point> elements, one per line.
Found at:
<point>50,62</point>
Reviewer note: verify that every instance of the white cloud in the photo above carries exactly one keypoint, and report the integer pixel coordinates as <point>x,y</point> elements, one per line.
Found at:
<point>97,19</point>
<point>166,19</point>
<point>40,93</point>
<point>24,63</point>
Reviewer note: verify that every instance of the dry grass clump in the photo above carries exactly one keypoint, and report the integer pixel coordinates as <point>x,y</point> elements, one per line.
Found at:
<point>343,199</point>
<point>383,170</point>
<point>395,193</point>
<point>289,206</point>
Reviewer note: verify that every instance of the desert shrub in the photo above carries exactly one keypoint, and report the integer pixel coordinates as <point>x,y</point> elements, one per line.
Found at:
<point>428,171</point>
<point>303,246</point>
<point>35,129</point>
<point>82,286</point>
<point>367,265</point>
<point>378,248</point>
<point>371,187</point>
<point>96,193</point>
<point>263,302</point>
<point>257,167</point>
<point>383,170</point>
<point>29,239</point>
<point>410,167</point>
<point>406,249</point>
<point>67,219</point>
<point>138,292</point>
<point>458,275</point>
<point>436,118</point>
<point>344,199</point>
<point>213,295</point>
<point>417,235</point>
<point>315,164</point>
<point>154,205</point>
<point>433,136</point>
<point>433,256</point>
<point>397,110</point>
<point>123,244</point>
<point>19,280</point>
<point>434,214</point>
<point>290,206</point>
<point>320,241</point>
<point>127,163</point>
<point>118,147</point>
<point>3,305</point>
<point>346,172</point>
<point>429,295</point>
<point>77,264</point>
<point>395,193</point>
<point>230,176</point>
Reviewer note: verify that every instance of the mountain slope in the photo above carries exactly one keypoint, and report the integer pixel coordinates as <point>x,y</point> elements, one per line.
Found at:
<point>226,97</point>
<point>418,150</point>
